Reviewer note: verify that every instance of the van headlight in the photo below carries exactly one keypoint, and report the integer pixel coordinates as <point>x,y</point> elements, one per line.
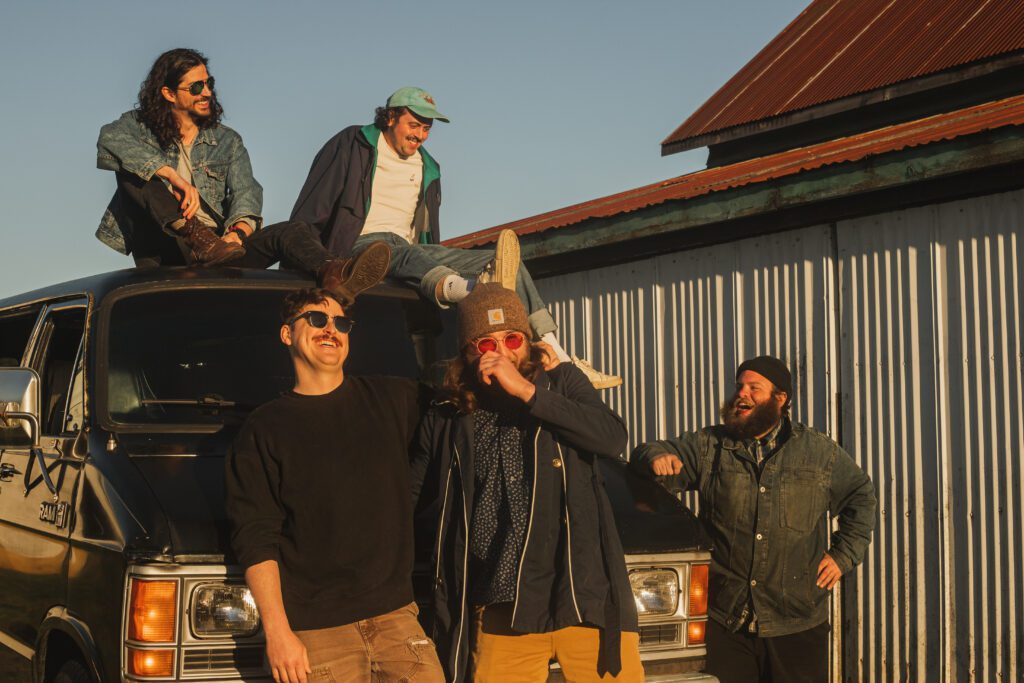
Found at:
<point>220,609</point>
<point>656,591</point>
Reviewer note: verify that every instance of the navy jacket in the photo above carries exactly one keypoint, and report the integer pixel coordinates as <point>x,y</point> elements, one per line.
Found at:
<point>335,198</point>
<point>568,427</point>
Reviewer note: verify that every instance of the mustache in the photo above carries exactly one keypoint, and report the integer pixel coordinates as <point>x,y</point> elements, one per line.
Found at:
<point>327,337</point>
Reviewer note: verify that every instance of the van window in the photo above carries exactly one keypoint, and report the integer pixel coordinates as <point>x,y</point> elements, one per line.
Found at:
<point>15,329</point>
<point>208,356</point>
<point>58,362</point>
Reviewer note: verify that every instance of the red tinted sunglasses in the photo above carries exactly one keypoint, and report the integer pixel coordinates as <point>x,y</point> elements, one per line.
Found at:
<point>512,341</point>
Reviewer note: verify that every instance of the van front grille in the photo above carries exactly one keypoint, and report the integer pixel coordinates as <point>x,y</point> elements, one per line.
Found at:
<point>659,634</point>
<point>209,660</point>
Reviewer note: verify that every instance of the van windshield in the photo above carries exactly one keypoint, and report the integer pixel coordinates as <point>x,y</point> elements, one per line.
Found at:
<point>208,356</point>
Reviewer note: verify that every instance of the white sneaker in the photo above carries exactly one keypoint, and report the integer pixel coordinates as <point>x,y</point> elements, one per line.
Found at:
<point>597,378</point>
<point>504,267</point>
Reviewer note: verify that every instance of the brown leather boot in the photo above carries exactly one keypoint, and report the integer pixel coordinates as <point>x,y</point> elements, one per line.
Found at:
<point>347,278</point>
<point>208,249</point>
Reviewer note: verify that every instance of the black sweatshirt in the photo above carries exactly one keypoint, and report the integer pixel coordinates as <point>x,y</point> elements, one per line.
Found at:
<point>321,484</point>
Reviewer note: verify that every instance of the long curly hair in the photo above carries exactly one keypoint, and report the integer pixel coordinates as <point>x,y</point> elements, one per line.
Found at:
<point>155,111</point>
<point>460,385</point>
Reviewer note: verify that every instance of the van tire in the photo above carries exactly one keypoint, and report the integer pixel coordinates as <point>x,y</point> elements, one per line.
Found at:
<point>72,671</point>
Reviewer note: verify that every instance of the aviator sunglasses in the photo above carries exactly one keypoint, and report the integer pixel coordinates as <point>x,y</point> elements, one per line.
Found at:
<point>318,319</point>
<point>196,87</point>
<point>512,341</point>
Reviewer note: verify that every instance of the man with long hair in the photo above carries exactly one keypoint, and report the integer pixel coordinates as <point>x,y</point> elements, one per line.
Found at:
<point>529,566</point>
<point>765,485</point>
<point>185,190</point>
<point>318,496</point>
<point>377,183</point>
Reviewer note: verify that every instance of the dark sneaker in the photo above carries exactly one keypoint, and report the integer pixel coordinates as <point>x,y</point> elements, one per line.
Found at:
<point>208,249</point>
<point>348,278</point>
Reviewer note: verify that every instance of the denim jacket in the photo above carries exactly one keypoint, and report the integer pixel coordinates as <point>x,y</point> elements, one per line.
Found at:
<point>222,173</point>
<point>770,530</point>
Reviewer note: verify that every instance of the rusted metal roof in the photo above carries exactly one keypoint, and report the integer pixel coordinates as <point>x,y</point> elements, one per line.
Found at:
<point>1006,112</point>
<point>839,48</point>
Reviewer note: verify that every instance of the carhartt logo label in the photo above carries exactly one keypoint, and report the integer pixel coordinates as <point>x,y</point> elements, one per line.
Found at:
<point>496,316</point>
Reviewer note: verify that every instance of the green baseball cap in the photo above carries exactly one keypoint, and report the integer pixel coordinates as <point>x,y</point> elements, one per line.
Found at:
<point>418,101</point>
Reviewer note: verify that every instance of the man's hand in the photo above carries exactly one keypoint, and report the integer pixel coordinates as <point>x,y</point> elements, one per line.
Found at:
<point>829,573</point>
<point>665,465</point>
<point>183,190</point>
<point>493,367</point>
<point>550,358</point>
<point>287,656</point>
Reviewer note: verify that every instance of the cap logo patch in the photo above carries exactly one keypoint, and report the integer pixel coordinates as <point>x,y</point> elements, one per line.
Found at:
<point>496,316</point>
<point>428,99</point>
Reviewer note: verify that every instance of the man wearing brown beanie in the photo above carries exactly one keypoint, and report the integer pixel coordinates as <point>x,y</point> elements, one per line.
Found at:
<point>765,485</point>
<point>529,566</point>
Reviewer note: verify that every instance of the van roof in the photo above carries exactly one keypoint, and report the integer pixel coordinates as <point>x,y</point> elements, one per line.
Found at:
<point>100,285</point>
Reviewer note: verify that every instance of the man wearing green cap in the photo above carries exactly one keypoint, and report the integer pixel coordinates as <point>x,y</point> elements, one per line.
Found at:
<point>376,183</point>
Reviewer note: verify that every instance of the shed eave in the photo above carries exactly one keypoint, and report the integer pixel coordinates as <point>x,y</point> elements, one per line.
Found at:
<point>914,86</point>
<point>766,207</point>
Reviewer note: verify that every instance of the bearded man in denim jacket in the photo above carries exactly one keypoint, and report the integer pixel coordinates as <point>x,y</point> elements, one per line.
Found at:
<point>185,190</point>
<point>765,485</point>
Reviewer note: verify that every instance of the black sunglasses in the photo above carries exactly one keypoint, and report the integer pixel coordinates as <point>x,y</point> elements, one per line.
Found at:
<point>195,88</point>
<point>318,319</point>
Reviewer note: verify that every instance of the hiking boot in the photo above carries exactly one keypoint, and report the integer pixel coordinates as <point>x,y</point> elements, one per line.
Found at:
<point>347,278</point>
<point>206,248</point>
<point>597,378</point>
<point>505,264</point>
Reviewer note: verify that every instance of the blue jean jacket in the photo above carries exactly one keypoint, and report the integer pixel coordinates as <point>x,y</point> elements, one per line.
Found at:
<point>222,173</point>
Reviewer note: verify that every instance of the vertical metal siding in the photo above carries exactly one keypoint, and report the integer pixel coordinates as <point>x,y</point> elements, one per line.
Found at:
<point>676,326</point>
<point>933,407</point>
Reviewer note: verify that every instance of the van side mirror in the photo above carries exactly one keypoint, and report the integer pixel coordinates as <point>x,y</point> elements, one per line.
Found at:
<point>19,406</point>
<point>19,415</point>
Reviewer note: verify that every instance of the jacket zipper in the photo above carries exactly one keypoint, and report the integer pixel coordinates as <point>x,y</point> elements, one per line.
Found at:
<point>529,526</point>
<point>568,532</point>
<point>465,569</point>
<point>440,527</point>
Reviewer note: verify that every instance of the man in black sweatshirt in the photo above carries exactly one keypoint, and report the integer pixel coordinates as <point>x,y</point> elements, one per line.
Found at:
<point>318,496</point>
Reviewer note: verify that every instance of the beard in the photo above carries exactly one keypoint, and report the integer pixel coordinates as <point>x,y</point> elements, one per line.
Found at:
<point>761,419</point>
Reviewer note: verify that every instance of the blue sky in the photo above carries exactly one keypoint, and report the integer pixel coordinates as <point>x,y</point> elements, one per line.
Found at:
<point>552,103</point>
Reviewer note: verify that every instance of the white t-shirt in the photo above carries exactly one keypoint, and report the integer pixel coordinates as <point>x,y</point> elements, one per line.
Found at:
<point>185,171</point>
<point>396,190</point>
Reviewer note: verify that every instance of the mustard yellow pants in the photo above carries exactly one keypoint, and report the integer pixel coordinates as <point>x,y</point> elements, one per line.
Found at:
<point>501,654</point>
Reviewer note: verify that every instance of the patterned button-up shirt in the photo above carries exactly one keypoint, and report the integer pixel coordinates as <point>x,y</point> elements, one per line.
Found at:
<point>501,509</point>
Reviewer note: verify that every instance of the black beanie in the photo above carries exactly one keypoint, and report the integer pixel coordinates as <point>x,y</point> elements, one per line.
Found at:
<point>772,369</point>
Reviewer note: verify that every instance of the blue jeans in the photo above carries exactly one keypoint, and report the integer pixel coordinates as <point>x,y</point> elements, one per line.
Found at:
<point>424,265</point>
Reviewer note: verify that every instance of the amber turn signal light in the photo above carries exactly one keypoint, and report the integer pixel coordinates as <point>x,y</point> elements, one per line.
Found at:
<point>695,632</point>
<point>152,610</point>
<point>698,590</point>
<point>151,663</point>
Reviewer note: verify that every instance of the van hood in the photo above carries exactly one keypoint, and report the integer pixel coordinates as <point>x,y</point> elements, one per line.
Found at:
<point>185,474</point>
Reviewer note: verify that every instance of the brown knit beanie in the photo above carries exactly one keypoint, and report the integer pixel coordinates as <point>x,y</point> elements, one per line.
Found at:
<point>491,308</point>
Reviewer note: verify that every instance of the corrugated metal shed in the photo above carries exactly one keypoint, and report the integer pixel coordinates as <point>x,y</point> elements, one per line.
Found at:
<point>988,116</point>
<point>904,330</point>
<point>838,48</point>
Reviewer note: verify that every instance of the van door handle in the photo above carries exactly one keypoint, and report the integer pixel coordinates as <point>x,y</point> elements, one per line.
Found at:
<point>7,471</point>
